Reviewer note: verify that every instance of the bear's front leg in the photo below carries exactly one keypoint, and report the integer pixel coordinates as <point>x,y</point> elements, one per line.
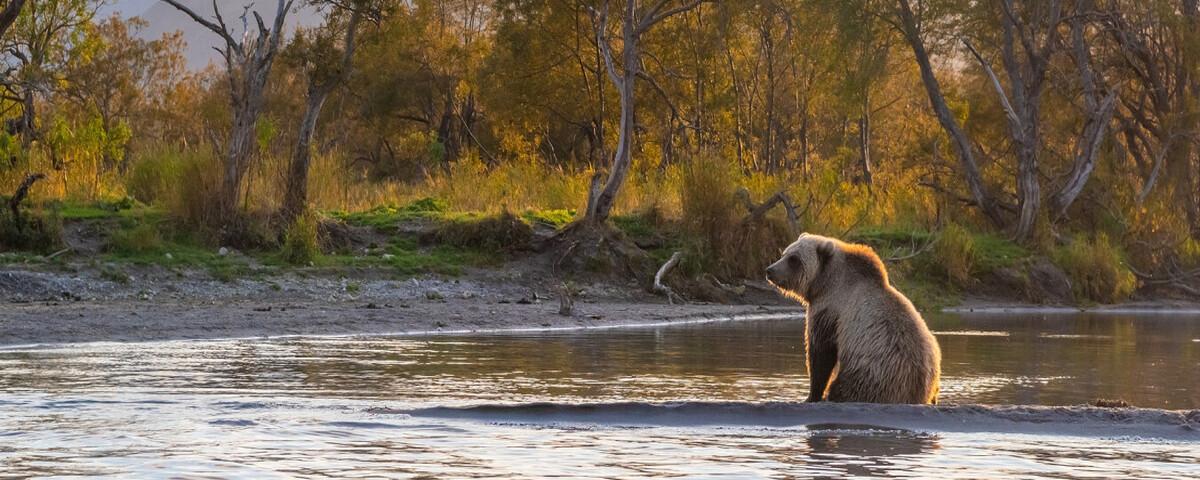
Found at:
<point>820,337</point>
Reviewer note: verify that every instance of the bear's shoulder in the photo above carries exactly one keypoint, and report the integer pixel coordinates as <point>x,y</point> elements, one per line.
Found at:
<point>862,261</point>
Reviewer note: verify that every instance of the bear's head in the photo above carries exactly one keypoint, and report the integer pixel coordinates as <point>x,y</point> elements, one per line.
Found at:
<point>813,264</point>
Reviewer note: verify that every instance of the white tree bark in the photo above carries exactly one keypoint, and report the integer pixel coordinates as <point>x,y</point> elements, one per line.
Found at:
<point>248,62</point>
<point>601,201</point>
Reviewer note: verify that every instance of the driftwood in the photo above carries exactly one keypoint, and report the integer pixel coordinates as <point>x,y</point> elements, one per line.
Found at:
<point>1175,277</point>
<point>661,287</point>
<point>756,212</point>
<point>14,203</point>
<point>566,299</point>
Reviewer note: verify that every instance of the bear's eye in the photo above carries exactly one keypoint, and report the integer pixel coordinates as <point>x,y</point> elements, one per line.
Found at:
<point>794,262</point>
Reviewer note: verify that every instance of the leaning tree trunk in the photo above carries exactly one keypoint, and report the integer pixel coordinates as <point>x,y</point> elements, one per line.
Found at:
<point>864,140</point>
<point>295,199</point>
<point>962,144</point>
<point>1098,115</point>
<point>600,207</point>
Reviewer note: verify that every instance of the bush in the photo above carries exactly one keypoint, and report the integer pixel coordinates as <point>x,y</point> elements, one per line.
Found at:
<point>144,238</point>
<point>301,244</point>
<point>1097,269</point>
<point>956,255</point>
<point>151,179</point>
<point>504,231</point>
<point>194,200</point>
<point>713,218</point>
<point>37,231</point>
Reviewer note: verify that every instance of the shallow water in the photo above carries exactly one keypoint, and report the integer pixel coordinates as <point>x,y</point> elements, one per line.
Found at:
<point>375,406</point>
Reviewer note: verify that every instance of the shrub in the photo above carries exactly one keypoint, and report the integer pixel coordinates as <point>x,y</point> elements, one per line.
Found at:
<point>194,200</point>
<point>723,243</point>
<point>956,255</point>
<point>301,244</point>
<point>1097,269</point>
<point>151,179</point>
<point>144,238</point>
<point>504,231</point>
<point>36,231</point>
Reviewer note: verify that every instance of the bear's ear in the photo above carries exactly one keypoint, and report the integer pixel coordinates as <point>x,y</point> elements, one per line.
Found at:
<point>824,254</point>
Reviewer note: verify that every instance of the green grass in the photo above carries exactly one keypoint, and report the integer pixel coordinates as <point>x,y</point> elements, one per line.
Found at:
<point>124,208</point>
<point>997,252</point>
<point>386,217</point>
<point>551,218</point>
<point>636,225</point>
<point>406,258</point>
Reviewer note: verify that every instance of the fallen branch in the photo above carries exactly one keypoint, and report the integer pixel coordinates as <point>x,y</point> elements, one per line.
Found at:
<point>662,288</point>
<point>914,253</point>
<point>55,254</point>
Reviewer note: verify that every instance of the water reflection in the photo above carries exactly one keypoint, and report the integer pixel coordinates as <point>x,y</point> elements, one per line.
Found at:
<point>1050,360</point>
<point>310,408</point>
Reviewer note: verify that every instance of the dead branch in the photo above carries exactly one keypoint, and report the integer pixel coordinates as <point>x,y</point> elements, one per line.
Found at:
<point>756,212</point>
<point>661,287</point>
<point>14,203</point>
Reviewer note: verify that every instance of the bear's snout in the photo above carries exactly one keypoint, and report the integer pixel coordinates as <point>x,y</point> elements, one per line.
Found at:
<point>773,275</point>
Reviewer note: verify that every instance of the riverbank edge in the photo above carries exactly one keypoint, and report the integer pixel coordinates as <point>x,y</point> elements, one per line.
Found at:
<point>48,325</point>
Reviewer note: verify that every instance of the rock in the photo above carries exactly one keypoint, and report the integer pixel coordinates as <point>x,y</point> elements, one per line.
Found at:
<point>223,251</point>
<point>1011,279</point>
<point>1048,283</point>
<point>168,255</point>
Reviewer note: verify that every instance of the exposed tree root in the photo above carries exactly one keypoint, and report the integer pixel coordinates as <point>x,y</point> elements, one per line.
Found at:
<point>590,248</point>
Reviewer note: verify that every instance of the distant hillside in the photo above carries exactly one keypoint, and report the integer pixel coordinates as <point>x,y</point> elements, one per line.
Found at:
<point>164,18</point>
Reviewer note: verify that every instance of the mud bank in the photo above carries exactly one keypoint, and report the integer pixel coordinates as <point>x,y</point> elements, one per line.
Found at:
<point>131,321</point>
<point>1180,425</point>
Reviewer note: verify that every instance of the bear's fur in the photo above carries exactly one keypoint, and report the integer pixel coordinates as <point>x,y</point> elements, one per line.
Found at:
<point>881,348</point>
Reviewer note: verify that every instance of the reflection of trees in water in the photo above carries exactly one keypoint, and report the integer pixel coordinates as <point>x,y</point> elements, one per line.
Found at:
<point>1059,359</point>
<point>1149,361</point>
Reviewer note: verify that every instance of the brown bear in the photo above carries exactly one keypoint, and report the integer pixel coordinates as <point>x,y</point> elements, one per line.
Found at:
<point>858,323</point>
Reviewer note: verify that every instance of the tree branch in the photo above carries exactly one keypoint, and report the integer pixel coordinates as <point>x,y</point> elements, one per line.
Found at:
<point>1008,108</point>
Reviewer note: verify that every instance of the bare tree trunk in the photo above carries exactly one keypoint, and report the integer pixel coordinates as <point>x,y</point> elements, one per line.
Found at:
<point>248,61</point>
<point>1099,114</point>
<point>295,198</point>
<point>9,15</point>
<point>28,119</point>
<point>864,140</point>
<point>962,144</point>
<point>601,201</point>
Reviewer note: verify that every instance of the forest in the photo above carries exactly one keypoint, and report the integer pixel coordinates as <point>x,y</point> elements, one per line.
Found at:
<point>973,144</point>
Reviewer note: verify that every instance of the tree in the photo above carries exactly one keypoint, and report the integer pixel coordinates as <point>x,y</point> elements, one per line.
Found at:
<point>40,45</point>
<point>120,74</point>
<point>1030,37</point>
<point>1156,51</point>
<point>9,15</point>
<point>910,27</point>
<point>635,23</point>
<point>326,68</point>
<point>248,62</point>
